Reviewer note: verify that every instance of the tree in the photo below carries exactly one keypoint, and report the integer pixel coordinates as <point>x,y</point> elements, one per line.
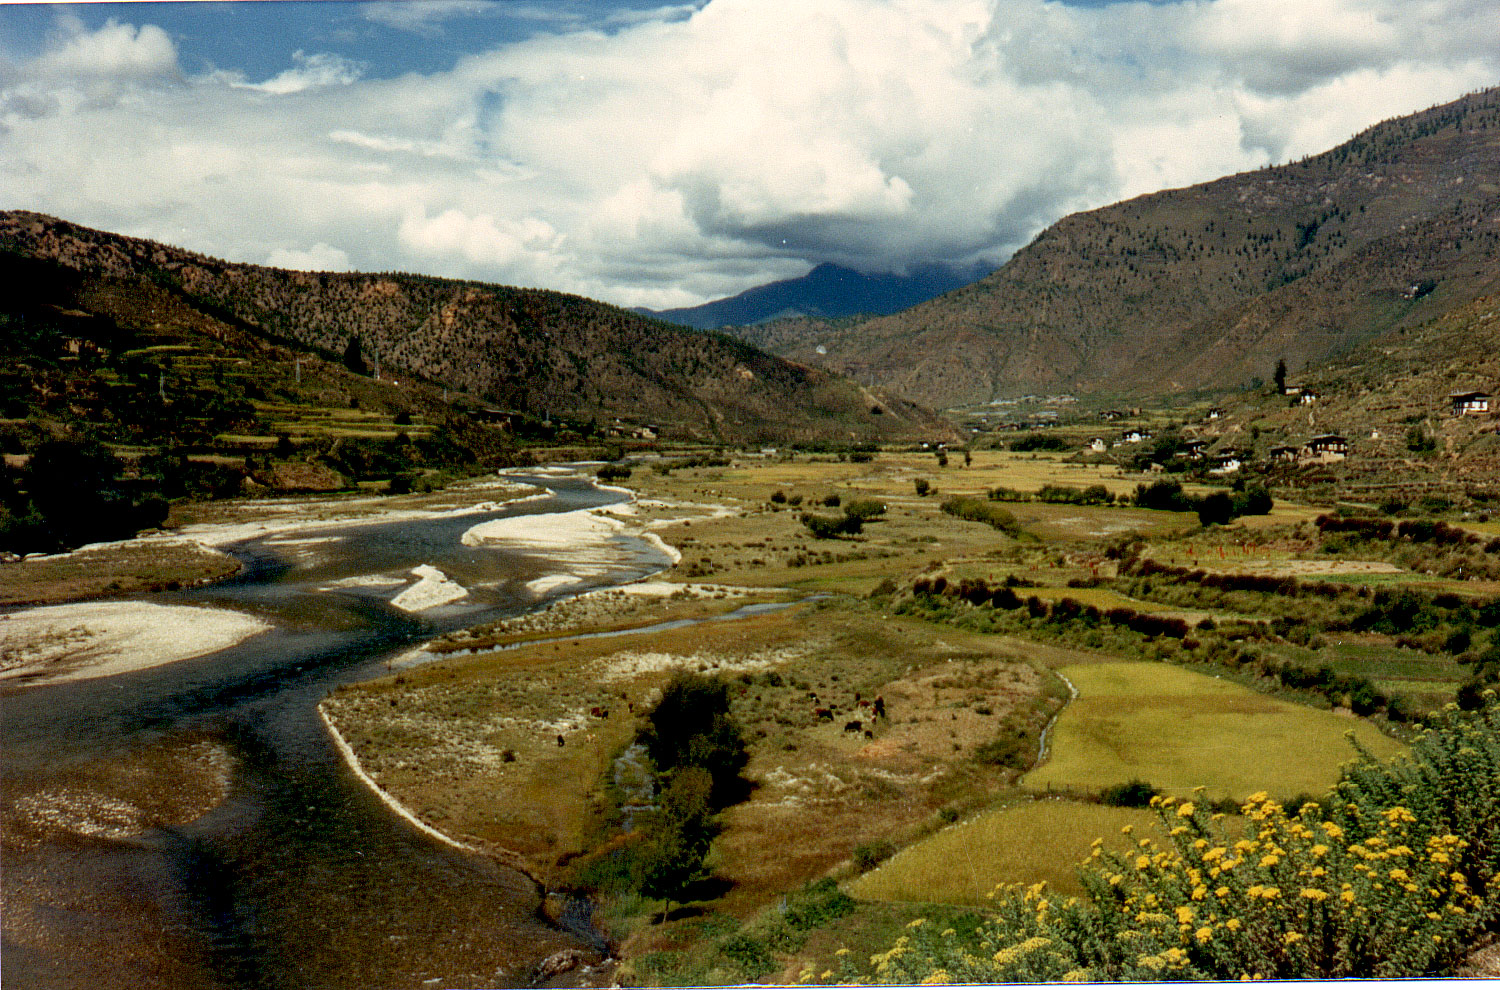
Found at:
<point>691,726</point>
<point>1280,377</point>
<point>75,493</point>
<point>1215,508</point>
<point>674,844</point>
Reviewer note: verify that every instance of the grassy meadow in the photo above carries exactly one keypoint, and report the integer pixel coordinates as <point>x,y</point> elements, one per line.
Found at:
<point>1180,730</point>
<point>1028,842</point>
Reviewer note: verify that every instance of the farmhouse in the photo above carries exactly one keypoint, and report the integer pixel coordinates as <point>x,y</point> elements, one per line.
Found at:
<point>1326,448</point>
<point>1135,436</point>
<point>1215,413</point>
<point>1469,403</point>
<point>1227,462</point>
<point>1192,450</point>
<point>1285,453</point>
<point>1097,445</point>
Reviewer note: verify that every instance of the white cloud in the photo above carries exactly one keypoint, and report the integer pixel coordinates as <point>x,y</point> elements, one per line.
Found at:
<point>320,257</point>
<point>122,51</point>
<point>423,16</point>
<point>700,152</point>
<point>312,71</point>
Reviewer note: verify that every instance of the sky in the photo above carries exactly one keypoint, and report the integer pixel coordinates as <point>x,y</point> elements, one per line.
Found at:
<point>665,155</point>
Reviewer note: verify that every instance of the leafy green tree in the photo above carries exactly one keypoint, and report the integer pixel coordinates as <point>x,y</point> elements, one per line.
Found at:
<point>353,359</point>
<point>673,849</point>
<point>691,726</point>
<point>74,495</point>
<point>1216,508</point>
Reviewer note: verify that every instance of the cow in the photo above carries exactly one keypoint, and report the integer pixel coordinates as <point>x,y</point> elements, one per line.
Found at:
<point>822,715</point>
<point>853,726</point>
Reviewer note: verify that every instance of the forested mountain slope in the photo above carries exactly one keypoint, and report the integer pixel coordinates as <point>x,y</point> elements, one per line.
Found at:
<point>527,350</point>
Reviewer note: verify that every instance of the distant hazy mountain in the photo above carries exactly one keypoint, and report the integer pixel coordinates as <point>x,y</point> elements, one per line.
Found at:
<point>827,292</point>
<point>1208,286</point>
<point>526,350</point>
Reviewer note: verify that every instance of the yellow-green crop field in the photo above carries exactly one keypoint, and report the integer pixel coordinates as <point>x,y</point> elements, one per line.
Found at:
<point>1026,843</point>
<point>1177,730</point>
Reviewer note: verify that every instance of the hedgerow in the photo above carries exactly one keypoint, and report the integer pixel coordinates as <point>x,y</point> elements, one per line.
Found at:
<point>1395,876</point>
<point>980,510</point>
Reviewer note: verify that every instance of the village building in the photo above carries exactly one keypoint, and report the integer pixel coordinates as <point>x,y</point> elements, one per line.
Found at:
<point>1285,453</point>
<point>1227,462</point>
<point>1308,397</point>
<point>1192,450</point>
<point>1326,448</point>
<point>1215,413</point>
<point>1097,445</point>
<point>1135,436</point>
<point>1290,389</point>
<point>1469,403</point>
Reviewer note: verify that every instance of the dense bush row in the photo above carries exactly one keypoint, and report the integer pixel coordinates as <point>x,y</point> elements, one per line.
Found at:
<point>1413,530</point>
<point>1169,638</point>
<point>1215,507</point>
<point>1397,876</point>
<point>980,510</point>
<point>1055,494</point>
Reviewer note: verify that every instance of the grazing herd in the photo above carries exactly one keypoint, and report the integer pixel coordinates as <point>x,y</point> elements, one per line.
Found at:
<point>869,711</point>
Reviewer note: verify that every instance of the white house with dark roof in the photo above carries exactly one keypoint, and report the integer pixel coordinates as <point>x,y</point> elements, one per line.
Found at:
<point>1469,403</point>
<point>1326,448</point>
<point>1226,462</point>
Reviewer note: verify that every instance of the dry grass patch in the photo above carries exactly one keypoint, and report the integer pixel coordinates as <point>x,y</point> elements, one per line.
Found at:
<point>437,736</point>
<point>116,569</point>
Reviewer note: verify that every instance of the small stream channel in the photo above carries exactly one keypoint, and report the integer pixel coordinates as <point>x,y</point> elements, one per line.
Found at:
<point>301,878</point>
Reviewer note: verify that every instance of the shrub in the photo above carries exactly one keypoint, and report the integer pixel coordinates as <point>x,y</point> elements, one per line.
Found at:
<point>831,527</point>
<point>981,510</point>
<point>612,472</point>
<point>871,854</point>
<point>865,508</point>
<point>1135,794</point>
<point>1039,441</point>
<point>1163,495</point>
<point>922,486</point>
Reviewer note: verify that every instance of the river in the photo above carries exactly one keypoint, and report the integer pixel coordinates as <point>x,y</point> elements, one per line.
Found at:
<point>300,877</point>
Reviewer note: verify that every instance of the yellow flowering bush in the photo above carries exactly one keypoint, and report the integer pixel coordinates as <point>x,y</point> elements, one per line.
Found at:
<point>1394,877</point>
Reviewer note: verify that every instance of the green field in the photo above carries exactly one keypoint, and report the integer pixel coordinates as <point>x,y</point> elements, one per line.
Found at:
<point>1179,730</point>
<point>1026,843</point>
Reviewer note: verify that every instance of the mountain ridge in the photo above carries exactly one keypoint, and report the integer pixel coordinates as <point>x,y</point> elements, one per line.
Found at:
<point>526,349</point>
<point>829,291</point>
<point>1208,285</point>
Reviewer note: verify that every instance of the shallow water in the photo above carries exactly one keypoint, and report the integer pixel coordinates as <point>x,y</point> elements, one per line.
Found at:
<point>301,877</point>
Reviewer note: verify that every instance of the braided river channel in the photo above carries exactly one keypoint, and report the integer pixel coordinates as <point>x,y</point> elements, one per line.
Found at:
<point>295,875</point>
